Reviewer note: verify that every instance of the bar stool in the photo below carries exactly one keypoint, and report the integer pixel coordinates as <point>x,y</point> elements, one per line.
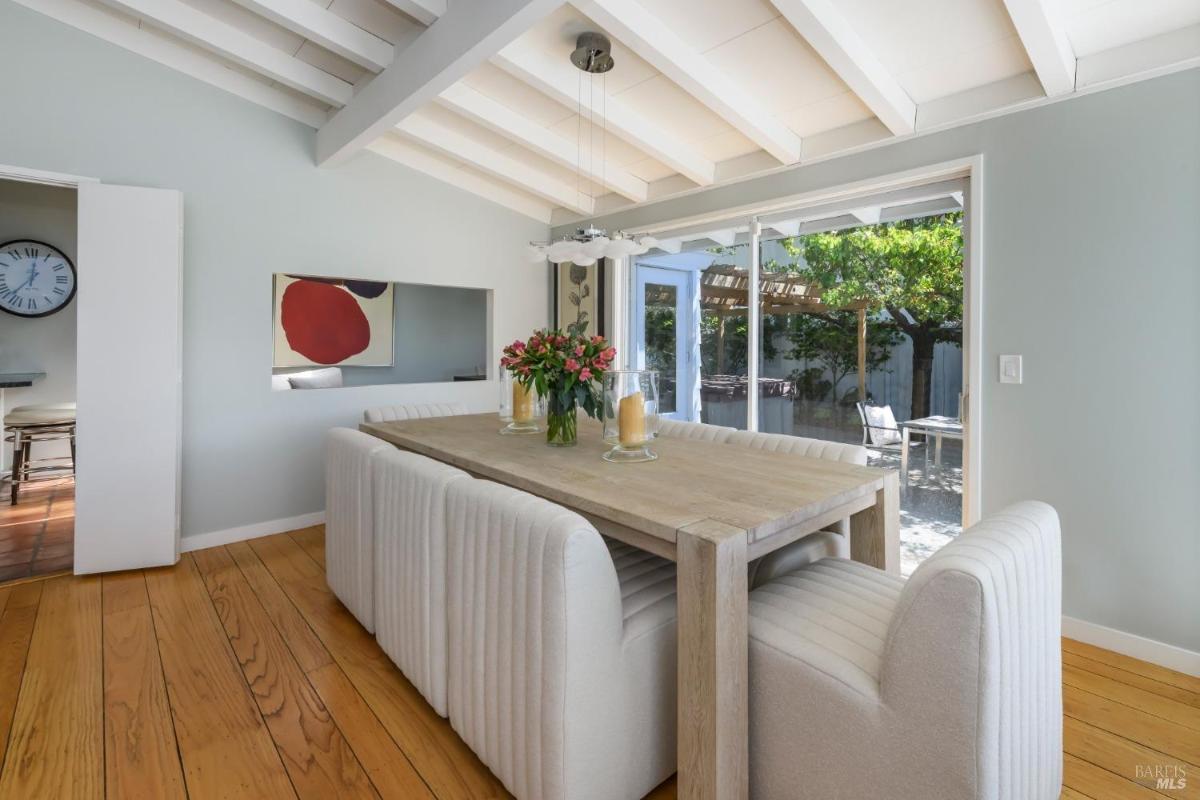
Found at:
<point>26,425</point>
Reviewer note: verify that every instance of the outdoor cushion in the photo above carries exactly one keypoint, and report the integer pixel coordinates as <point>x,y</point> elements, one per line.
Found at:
<point>882,428</point>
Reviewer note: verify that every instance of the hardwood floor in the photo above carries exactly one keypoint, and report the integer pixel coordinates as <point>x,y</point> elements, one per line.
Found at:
<point>236,673</point>
<point>37,535</point>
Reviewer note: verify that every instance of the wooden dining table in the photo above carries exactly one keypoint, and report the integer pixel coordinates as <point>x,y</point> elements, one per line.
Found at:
<point>711,508</point>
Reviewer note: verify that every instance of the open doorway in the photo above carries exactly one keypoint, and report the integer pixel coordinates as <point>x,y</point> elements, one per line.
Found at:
<point>38,226</point>
<point>861,337</point>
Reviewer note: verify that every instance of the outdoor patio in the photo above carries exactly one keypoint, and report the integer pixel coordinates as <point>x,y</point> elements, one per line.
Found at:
<point>930,503</point>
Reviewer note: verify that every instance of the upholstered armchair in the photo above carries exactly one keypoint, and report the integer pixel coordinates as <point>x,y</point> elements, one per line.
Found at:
<point>681,429</point>
<point>947,686</point>
<point>349,520</point>
<point>410,567</point>
<point>562,649</point>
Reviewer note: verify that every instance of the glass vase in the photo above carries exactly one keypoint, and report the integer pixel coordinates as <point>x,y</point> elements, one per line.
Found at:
<point>562,427</point>
<point>630,414</point>
<point>520,407</point>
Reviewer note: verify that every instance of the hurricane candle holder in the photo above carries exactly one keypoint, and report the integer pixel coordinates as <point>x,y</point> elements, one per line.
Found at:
<point>520,407</point>
<point>630,414</point>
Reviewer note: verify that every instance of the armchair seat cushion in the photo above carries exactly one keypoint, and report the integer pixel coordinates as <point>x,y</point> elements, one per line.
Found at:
<point>833,615</point>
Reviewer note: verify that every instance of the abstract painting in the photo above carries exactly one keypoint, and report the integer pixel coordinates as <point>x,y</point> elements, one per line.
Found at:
<point>342,321</point>
<point>579,297</point>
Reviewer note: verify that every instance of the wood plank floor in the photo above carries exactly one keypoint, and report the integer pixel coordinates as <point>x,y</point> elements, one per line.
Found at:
<point>37,535</point>
<point>236,673</point>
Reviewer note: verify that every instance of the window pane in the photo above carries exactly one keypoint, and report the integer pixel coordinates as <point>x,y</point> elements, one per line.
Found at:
<point>661,303</point>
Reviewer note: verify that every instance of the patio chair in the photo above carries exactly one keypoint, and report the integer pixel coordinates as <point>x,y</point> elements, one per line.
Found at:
<point>882,433</point>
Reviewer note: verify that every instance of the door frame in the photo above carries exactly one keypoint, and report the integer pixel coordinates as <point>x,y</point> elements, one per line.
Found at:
<point>685,304</point>
<point>969,167</point>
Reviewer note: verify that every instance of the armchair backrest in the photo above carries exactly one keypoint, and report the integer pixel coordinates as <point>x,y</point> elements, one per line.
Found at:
<point>413,411</point>
<point>798,445</point>
<point>976,637</point>
<point>681,429</point>
<point>349,520</point>
<point>535,630</point>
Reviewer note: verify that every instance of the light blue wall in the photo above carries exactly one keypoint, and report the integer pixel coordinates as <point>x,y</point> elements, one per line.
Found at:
<point>254,204</point>
<point>1091,242</point>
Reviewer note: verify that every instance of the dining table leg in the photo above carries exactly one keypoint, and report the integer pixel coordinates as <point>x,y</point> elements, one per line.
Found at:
<point>713,746</point>
<point>875,531</point>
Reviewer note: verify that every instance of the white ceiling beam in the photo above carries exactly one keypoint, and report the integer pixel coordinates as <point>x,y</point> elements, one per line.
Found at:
<point>425,12</point>
<point>1046,43</point>
<point>867,216</point>
<point>520,129</point>
<point>557,79</point>
<point>445,139</point>
<point>327,29</point>
<point>831,35</point>
<point>230,42</point>
<point>658,44</point>
<point>170,52</point>
<point>452,172</point>
<point>465,36</point>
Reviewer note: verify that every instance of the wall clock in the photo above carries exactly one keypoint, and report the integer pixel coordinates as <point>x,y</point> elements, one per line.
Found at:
<point>36,279</point>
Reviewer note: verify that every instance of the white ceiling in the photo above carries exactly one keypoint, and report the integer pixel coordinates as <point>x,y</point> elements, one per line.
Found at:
<point>704,91</point>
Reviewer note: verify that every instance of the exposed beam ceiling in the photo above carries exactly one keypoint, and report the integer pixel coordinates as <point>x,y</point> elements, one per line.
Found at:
<point>425,12</point>
<point>659,45</point>
<point>1046,43</point>
<point>448,140</point>
<point>557,79</point>
<point>831,35</point>
<point>447,170</point>
<point>226,40</point>
<point>543,141</point>
<point>327,29</point>
<point>466,35</point>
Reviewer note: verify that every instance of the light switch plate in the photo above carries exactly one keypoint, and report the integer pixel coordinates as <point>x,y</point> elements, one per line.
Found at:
<point>1010,369</point>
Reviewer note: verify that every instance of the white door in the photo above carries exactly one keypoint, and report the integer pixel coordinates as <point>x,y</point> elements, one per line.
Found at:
<point>664,332</point>
<point>128,378</point>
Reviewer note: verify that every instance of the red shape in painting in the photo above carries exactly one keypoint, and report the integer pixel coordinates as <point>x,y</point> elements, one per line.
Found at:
<point>323,323</point>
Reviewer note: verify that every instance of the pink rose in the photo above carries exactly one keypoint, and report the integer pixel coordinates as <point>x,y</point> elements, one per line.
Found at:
<point>608,354</point>
<point>518,345</point>
<point>571,365</point>
<point>585,375</point>
<point>597,340</point>
<point>579,350</point>
<point>523,370</point>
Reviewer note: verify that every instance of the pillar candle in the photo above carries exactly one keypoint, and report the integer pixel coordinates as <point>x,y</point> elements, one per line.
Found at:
<point>522,404</point>
<point>631,420</point>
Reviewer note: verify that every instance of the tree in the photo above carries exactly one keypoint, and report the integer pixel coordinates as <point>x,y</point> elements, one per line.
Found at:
<point>912,269</point>
<point>832,340</point>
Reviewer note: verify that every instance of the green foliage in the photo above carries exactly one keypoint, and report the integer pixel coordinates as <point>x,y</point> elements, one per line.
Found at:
<point>832,341</point>
<point>912,269</point>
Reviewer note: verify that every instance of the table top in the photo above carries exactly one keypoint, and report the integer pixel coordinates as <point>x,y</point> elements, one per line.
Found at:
<point>16,380</point>
<point>758,491</point>
<point>936,424</point>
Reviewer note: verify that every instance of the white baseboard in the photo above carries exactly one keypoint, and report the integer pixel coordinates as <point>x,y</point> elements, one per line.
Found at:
<point>201,541</point>
<point>1165,655</point>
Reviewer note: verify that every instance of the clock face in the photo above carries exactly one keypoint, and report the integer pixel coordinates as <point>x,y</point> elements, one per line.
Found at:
<point>35,278</point>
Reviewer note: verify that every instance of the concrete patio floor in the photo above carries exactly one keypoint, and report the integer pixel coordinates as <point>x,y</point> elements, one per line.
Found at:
<point>931,502</point>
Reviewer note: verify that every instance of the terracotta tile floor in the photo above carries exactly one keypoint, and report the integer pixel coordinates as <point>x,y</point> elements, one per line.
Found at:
<point>37,536</point>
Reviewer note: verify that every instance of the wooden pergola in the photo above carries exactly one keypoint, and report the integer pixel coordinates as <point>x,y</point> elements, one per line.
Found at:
<point>723,291</point>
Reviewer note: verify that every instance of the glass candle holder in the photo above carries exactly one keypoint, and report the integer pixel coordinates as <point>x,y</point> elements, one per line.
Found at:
<point>520,407</point>
<point>630,414</point>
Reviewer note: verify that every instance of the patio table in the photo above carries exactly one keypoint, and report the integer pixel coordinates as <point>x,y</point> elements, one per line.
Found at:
<point>937,427</point>
<point>708,506</point>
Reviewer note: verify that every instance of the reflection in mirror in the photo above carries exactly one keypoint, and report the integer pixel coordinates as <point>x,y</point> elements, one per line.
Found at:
<point>331,332</point>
